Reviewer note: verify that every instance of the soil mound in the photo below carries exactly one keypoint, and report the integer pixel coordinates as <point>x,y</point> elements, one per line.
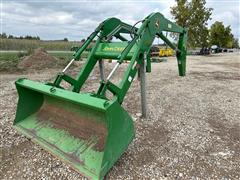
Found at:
<point>40,59</point>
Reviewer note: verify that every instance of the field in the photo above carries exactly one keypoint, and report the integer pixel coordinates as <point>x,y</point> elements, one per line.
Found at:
<point>12,51</point>
<point>25,44</point>
<point>10,59</point>
<point>191,132</point>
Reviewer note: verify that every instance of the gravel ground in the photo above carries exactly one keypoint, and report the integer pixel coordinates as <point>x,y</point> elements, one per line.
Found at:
<point>192,130</point>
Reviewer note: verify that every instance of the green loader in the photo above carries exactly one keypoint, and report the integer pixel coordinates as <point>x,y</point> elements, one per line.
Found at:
<point>90,131</point>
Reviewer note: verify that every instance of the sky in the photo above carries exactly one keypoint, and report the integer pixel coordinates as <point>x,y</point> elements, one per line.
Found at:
<point>76,19</point>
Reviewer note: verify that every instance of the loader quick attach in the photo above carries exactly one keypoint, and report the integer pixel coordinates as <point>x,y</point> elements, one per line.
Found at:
<point>88,130</point>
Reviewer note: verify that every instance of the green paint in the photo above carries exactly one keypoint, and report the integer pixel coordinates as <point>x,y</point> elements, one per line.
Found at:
<point>64,143</point>
<point>113,50</point>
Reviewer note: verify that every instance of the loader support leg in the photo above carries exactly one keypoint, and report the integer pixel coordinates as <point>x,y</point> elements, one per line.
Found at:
<point>101,69</point>
<point>181,56</point>
<point>142,72</point>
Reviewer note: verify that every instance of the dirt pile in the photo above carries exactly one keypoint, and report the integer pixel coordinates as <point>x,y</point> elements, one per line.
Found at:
<point>40,59</point>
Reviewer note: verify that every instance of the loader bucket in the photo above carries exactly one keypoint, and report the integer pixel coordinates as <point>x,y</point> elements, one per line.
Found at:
<point>87,132</point>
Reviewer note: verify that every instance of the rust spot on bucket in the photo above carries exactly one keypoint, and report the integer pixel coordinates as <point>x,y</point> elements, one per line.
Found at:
<point>84,128</point>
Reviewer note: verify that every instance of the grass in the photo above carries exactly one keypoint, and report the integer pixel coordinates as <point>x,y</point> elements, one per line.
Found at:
<point>9,61</point>
<point>64,57</point>
<point>25,44</point>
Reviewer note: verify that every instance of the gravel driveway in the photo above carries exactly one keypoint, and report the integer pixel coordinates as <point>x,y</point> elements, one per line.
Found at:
<point>192,130</point>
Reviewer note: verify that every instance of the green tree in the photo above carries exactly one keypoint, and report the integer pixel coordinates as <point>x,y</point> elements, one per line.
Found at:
<point>221,35</point>
<point>236,43</point>
<point>194,16</point>
<point>4,35</point>
<point>10,36</point>
<point>28,37</point>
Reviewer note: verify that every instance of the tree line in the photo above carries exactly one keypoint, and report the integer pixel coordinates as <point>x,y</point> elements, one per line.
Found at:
<point>5,36</point>
<point>28,37</point>
<point>194,15</point>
